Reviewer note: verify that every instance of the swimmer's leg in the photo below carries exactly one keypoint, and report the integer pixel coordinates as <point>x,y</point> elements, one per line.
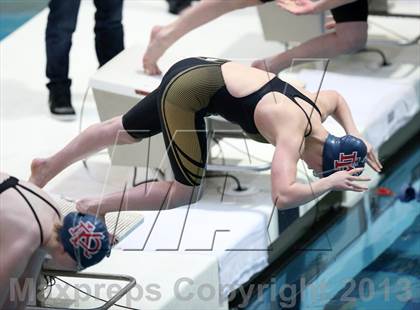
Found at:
<point>150,196</point>
<point>91,140</point>
<point>162,37</point>
<point>140,122</point>
<point>182,107</point>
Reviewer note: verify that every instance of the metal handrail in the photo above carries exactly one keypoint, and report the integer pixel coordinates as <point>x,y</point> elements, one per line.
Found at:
<point>71,274</point>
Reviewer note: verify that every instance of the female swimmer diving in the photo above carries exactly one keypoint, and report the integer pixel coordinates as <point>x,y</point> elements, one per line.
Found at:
<point>268,110</point>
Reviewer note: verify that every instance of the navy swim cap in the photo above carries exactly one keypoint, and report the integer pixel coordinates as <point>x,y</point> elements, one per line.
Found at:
<point>85,238</point>
<point>342,153</point>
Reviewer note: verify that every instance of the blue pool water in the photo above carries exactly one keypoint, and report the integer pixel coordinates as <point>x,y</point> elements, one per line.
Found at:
<point>394,278</point>
<point>368,259</point>
<point>14,13</point>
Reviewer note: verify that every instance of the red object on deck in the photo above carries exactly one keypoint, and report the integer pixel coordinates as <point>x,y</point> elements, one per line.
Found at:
<point>384,191</point>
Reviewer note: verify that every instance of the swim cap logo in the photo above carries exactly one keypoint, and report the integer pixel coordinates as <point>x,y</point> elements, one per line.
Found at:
<point>83,236</point>
<point>346,161</point>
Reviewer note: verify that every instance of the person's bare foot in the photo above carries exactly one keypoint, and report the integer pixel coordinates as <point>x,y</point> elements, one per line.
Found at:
<point>158,44</point>
<point>39,172</point>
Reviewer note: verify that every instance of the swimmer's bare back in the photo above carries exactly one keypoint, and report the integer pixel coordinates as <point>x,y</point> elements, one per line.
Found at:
<point>242,80</point>
<point>20,234</point>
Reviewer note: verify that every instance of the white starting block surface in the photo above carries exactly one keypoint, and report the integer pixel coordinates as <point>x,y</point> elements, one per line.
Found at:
<point>235,234</point>
<point>119,76</point>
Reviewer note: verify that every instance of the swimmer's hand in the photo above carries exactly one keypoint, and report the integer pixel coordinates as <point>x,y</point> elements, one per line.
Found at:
<point>298,7</point>
<point>347,180</point>
<point>372,158</point>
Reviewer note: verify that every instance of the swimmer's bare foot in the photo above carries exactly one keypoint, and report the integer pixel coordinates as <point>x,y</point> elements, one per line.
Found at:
<point>159,42</point>
<point>39,172</point>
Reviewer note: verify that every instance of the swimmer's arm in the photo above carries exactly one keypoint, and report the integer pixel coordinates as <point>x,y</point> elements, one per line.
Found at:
<point>288,193</point>
<point>285,190</point>
<point>332,103</point>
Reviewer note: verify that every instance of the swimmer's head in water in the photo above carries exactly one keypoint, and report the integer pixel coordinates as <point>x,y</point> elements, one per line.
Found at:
<point>85,238</point>
<point>342,153</point>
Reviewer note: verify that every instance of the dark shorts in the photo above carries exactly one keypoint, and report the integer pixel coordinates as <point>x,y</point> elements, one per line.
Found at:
<point>177,109</point>
<point>352,12</point>
<point>356,11</point>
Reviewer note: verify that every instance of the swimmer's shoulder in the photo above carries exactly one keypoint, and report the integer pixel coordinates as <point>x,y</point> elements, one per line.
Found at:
<point>252,72</point>
<point>274,115</point>
<point>242,80</point>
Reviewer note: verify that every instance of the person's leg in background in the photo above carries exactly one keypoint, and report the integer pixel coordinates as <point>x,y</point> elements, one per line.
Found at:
<point>162,37</point>
<point>61,24</point>
<point>109,32</point>
<point>348,38</point>
<point>350,35</point>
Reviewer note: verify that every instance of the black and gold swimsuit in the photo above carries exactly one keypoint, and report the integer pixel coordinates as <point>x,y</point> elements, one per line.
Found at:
<point>192,89</point>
